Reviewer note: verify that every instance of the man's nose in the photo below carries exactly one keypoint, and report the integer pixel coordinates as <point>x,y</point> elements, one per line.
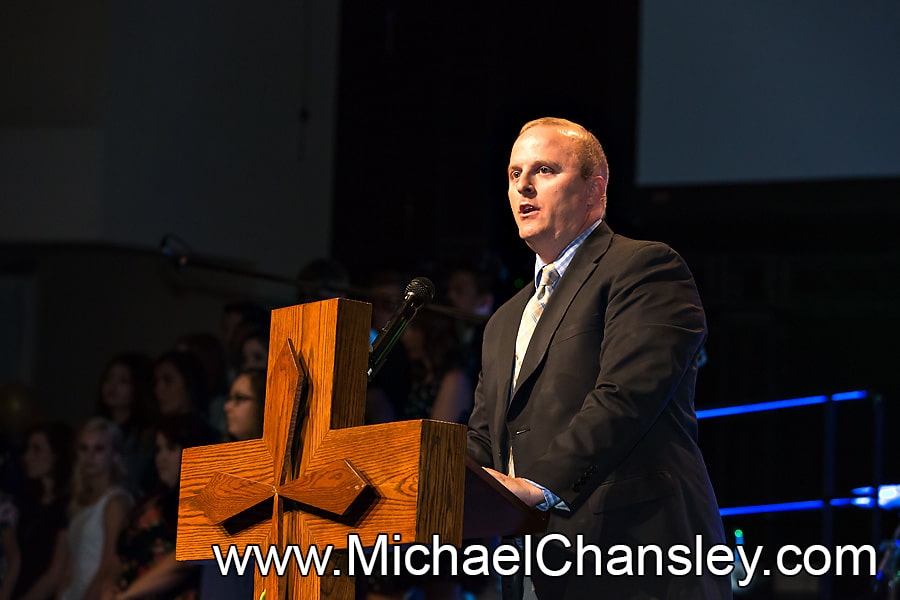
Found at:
<point>524,186</point>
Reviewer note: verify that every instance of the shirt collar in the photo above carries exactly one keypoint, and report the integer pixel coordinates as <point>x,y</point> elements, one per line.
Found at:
<point>565,257</point>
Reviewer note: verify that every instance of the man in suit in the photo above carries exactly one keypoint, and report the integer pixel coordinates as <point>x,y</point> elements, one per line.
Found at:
<point>584,406</point>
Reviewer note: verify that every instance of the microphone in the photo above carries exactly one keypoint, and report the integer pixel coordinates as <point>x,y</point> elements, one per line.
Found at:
<point>419,292</point>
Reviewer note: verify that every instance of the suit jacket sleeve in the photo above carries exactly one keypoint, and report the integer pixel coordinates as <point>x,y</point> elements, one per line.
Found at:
<point>478,445</point>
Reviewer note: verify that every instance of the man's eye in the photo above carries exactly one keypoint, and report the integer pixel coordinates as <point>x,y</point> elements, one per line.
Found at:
<point>515,174</point>
<point>545,170</point>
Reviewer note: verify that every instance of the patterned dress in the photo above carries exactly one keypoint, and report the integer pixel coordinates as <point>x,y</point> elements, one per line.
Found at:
<point>149,537</point>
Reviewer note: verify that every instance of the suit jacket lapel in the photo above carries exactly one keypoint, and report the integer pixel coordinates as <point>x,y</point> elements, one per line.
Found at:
<point>507,342</point>
<point>583,264</point>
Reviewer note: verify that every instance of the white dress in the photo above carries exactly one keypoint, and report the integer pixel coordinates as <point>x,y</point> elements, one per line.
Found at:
<point>86,535</point>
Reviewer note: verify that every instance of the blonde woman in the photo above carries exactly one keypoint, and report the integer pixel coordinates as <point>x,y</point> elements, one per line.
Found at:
<point>99,508</point>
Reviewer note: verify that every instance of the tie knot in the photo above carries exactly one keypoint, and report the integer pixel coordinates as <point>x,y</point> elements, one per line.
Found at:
<point>549,275</point>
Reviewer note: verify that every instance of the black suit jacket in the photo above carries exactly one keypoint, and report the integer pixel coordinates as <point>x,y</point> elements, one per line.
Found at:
<point>602,414</point>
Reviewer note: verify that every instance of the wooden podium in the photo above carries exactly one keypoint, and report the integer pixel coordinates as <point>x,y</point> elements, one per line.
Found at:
<point>318,475</point>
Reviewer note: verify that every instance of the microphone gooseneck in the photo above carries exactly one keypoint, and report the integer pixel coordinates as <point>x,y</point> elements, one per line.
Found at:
<point>419,292</point>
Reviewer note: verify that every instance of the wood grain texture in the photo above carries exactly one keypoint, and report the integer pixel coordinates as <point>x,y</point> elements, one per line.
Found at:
<point>274,587</point>
<point>442,471</point>
<point>406,464</point>
<point>332,488</point>
<point>284,390</point>
<point>227,495</point>
<point>333,476</point>
<point>196,533</point>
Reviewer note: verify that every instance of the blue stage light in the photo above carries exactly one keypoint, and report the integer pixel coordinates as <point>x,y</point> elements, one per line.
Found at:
<point>768,508</point>
<point>741,409</point>
<point>858,395</point>
<point>759,407</point>
<point>888,498</point>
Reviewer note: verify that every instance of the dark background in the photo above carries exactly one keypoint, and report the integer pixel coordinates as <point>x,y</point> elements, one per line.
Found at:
<point>799,278</point>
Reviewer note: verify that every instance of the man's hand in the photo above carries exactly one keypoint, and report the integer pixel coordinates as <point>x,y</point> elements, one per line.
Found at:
<point>527,492</point>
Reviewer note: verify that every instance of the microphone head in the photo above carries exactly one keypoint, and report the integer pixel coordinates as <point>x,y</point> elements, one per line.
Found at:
<point>420,291</point>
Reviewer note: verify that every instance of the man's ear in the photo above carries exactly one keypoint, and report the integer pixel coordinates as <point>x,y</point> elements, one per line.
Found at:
<point>597,190</point>
<point>601,186</point>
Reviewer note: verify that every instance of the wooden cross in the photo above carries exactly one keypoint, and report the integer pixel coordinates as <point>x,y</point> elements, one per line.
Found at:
<point>317,475</point>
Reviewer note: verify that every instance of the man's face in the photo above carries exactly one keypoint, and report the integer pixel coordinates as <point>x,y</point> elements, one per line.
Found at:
<point>550,200</point>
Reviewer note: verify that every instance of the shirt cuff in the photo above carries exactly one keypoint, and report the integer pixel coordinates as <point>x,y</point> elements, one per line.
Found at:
<point>551,500</point>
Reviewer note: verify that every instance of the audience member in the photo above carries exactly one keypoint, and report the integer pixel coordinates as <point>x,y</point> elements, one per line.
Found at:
<point>211,352</point>
<point>244,416</point>
<point>18,413</point>
<point>10,557</point>
<point>473,287</point>
<point>254,346</point>
<point>126,399</point>
<point>42,510</point>
<point>99,508</point>
<point>234,314</point>
<point>245,406</point>
<point>179,384</point>
<point>144,565</point>
<point>321,279</point>
<point>439,387</point>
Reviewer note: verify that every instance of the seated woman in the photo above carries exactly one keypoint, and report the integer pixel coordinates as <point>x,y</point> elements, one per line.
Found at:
<point>439,389</point>
<point>179,384</point>
<point>245,405</point>
<point>10,556</point>
<point>439,386</point>
<point>126,398</point>
<point>244,411</point>
<point>99,507</point>
<point>145,565</point>
<point>42,516</point>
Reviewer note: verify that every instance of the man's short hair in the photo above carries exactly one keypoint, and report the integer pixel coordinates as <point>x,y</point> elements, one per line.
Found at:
<point>590,152</point>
